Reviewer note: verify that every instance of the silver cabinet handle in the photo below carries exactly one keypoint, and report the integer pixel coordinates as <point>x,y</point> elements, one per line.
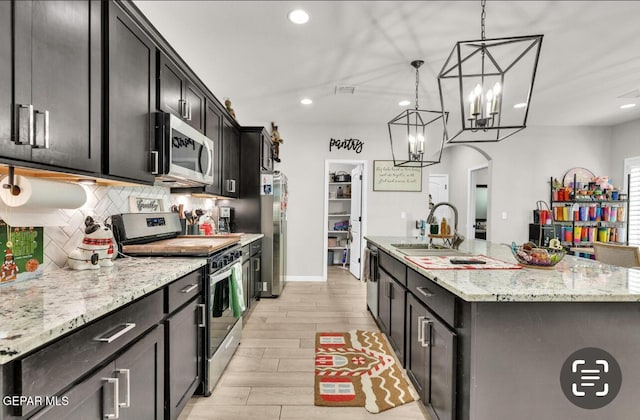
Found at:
<point>391,291</point>
<point>181,108</point>
<point>420,329</point>
<point>426,337</point>
<point>127,327</point>
<point>127,372</point>
<point>231,185</point>
<point>116,404</point>
<point>257,265</point>
<point>189,288</point>
<point>188,111</point>
<point>424,291</point>
<point>156,162</point>
<point>46,144</point>
<point>30,125</point>
<point>203,315</point>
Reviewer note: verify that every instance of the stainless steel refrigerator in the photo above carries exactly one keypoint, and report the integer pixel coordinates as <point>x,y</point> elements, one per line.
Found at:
<point>273,209</point>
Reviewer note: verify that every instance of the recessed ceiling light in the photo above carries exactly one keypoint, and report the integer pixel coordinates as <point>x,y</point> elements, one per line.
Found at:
<point>298,16</point>
<point>520,105</point>
<point>306,101</point>
<point>404,103</point>
<point>626,106</point>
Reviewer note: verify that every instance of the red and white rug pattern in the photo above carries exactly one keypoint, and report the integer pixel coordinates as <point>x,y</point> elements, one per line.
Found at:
<point>357,369</point>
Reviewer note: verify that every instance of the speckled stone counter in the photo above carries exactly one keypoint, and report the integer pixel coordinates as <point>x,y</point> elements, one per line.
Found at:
<point>247,238</point>
<point>574,279</point>
<point>35,312</point>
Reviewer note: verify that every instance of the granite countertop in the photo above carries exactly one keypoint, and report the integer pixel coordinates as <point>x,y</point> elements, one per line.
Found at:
<point>247,238</point>
<point>574,279</point>
<point>34,312</point>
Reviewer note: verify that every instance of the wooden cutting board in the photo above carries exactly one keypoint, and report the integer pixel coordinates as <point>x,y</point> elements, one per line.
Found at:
<point>193,245</point>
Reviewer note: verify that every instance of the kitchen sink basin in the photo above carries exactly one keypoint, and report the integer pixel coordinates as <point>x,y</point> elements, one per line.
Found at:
<point>422,252</point>
<point>426,250</point>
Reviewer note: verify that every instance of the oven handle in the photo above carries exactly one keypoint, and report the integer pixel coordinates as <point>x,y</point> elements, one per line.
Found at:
<point>214,278</point>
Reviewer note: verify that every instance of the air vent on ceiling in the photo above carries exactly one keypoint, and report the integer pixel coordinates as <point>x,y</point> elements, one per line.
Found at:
<point>635,93</point>
<point>345,90</point>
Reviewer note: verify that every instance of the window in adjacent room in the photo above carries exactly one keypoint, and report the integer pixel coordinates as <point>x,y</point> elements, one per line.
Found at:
<point>632,168</point>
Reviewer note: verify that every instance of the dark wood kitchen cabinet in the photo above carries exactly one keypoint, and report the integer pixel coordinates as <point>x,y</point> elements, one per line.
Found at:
<point>213,130</point>
<point>391,311</point>
<point>178,95</point>
<point>431,358</point>
<point>130,80</point>
<point>185,326</point>
<point>136,375</point>
<point>231,158</point>
<point>7,145</point>
<point>53,117</point>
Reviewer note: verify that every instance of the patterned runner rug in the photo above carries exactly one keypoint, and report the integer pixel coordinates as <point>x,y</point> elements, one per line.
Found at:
<point>357,369</point>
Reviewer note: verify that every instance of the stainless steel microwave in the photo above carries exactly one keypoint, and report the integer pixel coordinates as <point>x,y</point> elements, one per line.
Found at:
<point>184,157</point>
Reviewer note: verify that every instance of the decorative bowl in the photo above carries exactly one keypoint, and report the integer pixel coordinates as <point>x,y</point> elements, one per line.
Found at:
<point>534,256</point>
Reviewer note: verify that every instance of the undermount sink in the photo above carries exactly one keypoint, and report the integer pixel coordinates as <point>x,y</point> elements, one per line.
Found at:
<point>426,250</point>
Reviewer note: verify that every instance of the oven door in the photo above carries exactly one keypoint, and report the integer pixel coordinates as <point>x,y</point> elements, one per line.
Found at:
<point>185,155</point>
<point>225,331</point>
<point>221,319</point>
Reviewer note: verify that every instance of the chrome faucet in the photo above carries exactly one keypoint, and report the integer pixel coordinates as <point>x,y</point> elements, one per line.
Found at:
<point>457,238</point>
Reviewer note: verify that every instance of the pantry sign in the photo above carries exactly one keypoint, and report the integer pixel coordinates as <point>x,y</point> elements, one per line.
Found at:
<point>387,177</point>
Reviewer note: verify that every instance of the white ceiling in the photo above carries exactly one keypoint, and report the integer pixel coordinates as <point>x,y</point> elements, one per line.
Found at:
<point>249,51</point>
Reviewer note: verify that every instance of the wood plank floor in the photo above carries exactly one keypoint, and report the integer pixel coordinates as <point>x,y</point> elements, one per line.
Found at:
<point>270,377</point>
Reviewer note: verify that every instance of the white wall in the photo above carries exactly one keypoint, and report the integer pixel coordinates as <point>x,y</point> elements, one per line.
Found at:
<point>303,153</point>
<point>456,161</point>
<point>522,165</point>
<point>625,143</point>
<point>519,172</point>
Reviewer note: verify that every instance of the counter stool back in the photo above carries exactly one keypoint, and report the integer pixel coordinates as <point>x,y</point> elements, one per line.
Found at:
<point>620,255</point>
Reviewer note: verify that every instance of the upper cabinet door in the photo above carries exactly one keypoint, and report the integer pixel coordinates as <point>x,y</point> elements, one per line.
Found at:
<point>131,77</point>
<point>178,95</point>
<point>58,82</point>
<point>8,147</point>
<point>195,107</point>
<point>172,87</point>
<point>213,130</point>
<point>231,159</point>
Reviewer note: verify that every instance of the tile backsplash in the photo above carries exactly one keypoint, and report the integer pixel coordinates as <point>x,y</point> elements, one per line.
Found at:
<point>101,203</point>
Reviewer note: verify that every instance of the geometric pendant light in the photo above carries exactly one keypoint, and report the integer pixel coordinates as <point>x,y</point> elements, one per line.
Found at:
<point>486,86</point>
<point>417,136</point>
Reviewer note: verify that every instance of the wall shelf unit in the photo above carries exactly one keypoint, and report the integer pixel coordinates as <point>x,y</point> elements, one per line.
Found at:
<point>584,215</point>
<point>339,213</point>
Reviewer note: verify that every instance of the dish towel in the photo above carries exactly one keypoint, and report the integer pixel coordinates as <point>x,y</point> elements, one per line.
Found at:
<point>236,294</point>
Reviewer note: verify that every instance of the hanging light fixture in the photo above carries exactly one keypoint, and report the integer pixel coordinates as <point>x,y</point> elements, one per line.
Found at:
<point>492,80</point>
<point>417,132</point>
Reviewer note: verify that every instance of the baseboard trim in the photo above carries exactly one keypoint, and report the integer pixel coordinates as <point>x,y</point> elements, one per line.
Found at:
<point>304,278</point>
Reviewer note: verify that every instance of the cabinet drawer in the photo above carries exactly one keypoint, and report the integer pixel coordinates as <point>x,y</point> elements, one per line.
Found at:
<point>246,252</point>
<point>183,290</point>
<point>255,247</point>
<point>394,267</point>
<point>439,300</point>
<point>54,367</point>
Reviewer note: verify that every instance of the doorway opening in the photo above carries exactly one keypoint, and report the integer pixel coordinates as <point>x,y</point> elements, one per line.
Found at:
<point>478,202</point>
<point>344,214</point>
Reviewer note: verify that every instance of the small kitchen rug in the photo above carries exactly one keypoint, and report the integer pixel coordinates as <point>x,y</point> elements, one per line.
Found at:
<point>358,369</point>
<point>443,262</point>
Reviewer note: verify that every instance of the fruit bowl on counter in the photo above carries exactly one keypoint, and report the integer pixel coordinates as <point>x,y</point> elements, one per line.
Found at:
<point>530,255</point>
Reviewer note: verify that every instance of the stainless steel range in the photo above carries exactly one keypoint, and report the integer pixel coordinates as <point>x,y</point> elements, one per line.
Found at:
<point>157,234</point>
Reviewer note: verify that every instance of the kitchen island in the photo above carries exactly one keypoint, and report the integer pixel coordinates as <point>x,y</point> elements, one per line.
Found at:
<point>485,344</point>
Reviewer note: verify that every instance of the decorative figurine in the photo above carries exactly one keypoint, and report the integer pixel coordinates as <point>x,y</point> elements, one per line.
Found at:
<point>9,267</point>
<point>96,249</point>
<point>227,104</point>
<point>276,140</point>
